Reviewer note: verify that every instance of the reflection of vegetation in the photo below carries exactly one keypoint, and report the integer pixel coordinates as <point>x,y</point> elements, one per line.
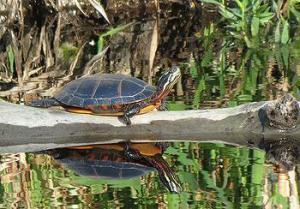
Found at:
<point>213,176</point>
<point>222,176</point>
<point>278,199</point>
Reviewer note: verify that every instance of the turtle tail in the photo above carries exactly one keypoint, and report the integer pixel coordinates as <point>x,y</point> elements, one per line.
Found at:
<point>44,103</point>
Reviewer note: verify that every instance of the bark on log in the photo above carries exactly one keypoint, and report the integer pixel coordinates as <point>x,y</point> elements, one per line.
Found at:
<point>24,128</point>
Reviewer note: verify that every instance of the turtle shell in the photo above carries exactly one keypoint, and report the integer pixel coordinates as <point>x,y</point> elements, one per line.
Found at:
<point>106,168</point>
<point>99,163</point>
<point>104,89</point>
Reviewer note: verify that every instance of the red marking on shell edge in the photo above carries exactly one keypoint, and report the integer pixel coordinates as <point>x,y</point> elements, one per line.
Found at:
<point>103,107</point>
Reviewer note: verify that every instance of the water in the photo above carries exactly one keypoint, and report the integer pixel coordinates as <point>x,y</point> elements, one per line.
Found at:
<point>212,176</point>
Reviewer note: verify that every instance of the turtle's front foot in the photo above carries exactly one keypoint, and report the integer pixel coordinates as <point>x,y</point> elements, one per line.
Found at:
<point>133,110</point>
<point>130,153</point>
<point>163,106</point>
<point>125,119</point>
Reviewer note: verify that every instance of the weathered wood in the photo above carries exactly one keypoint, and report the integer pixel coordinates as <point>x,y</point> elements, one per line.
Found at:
<point>24,128</point>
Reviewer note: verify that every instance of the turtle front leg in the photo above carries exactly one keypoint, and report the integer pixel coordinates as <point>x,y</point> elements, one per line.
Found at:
<point>163,145</point>
<point>131,154</point>
<point>163,105</point>
<point>130,112</point>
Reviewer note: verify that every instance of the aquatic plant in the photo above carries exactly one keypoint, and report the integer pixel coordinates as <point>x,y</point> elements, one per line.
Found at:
<point>246,51</point>
<point>252,22</point>
<point>244,20</point>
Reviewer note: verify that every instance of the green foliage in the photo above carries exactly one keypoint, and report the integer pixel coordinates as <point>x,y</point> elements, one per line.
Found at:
<point>285,32</point>
<point>245,20</point>
<point>199,92</point>
<point>11,59</point>
<point>278,199</point>
<point>67,51</point>
<point>238,48</point>
<point>111,31</point>
<point>203,72</point>
<point>177,106</point>
<point>212,176</point>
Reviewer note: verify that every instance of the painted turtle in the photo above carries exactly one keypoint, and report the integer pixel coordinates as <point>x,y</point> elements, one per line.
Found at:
<point>117,161</point>
<point>112,94</point>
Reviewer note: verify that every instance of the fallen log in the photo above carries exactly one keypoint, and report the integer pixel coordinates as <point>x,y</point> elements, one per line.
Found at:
<point>24,128</point>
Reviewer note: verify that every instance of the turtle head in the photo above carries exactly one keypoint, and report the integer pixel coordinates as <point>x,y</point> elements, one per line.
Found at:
<point>167,176</point>
<point>170,181</point>
<point>167,81</point>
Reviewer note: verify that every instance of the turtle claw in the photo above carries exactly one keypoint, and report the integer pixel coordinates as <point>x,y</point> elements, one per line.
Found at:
<point>125,119</point>
<point>135,109</point>
<point>131,154</point>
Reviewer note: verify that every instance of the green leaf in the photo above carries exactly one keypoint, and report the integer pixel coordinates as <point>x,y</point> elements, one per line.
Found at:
<point>11,58</point>
<point>212,2</point>
<point>265,20</point>
<point>67,51</point>
<point>240,4</point>
<point>113,31</point>
<point>236,12</point>
<point>255,26</point>
<point>275,5</point>
<point>176,106</point>
<point>110,32</point>
<point>198,94</point>
<point>265,14</point>
<point>222,73</point>
<point>206,31</point>
<point>232,103</point>
<point>248,42</point>
<point>256,5</point>
<point>100,43</point>
<point>254,76</point>
<point>285,53</point>
<point>295,13</point>
<point>277,32</point>
<point>207,58</point>
<point>245,98</point>
<point>193,69</point>
<point>226,13</point>
<point>265,17</point>
<point>285,32</point>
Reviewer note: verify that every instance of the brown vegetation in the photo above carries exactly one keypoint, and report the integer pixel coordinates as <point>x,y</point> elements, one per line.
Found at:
<point>46,43</point>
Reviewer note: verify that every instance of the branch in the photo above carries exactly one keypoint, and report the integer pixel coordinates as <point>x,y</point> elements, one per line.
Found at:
<point>26,128</point>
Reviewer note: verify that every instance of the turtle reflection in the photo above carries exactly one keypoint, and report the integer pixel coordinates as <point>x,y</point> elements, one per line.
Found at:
<point>115,161</point>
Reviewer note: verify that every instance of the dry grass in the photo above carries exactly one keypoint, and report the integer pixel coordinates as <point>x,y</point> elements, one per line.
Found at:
<point>31,35</point>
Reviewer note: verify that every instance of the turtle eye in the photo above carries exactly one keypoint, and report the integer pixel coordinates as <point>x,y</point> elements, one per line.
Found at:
<point>174,74</point>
